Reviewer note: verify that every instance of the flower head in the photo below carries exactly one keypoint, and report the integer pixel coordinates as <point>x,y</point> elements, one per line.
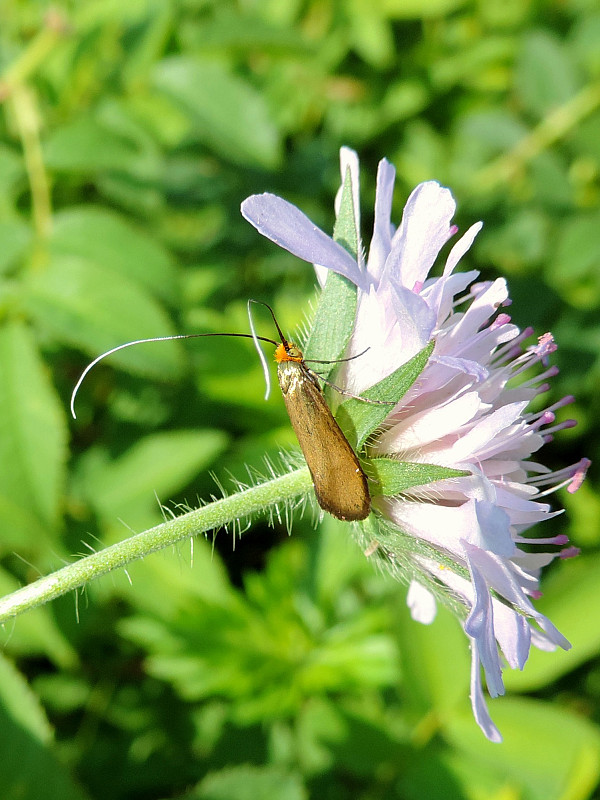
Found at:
<point>467,411</point>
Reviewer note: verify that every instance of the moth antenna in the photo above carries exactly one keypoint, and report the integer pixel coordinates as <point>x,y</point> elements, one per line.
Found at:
<point>261,355</point>
<point>107,353</point>
<point>104,355</point>
<point>284,341</point>
<point>336,360</point>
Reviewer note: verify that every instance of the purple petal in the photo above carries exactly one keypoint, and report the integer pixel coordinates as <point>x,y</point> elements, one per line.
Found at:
<point>480,712</point>
<point>494,525</point>
<point>284,224</point>
<point>465,365</point>
<point>414,319</point>
<point>479,626</point>
<point>487,429</point>
<point>502,579</point>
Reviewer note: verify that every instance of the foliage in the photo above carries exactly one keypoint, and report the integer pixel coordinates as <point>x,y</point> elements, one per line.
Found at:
<point>270,667</point>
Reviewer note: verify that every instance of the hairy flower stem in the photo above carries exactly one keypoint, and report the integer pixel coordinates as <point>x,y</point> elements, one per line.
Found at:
<point>212,516</point>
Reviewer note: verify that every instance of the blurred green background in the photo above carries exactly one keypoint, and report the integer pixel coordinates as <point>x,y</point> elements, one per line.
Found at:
<point>267,666</point>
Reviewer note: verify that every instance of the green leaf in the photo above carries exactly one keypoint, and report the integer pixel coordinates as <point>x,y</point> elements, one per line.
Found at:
<point>359,419</point>
<point>89,145</point>
<point>545,75</point>
<point>21,704</point>
<point>420,9</point>
<point>11,167</point>
<point>574,264</point>
<point>108,240</point>
<point>33,434</point>
<point>394,476</point>
<point>205,579</point>
<point>84,305</point>
<point>434,663</point>
<point>247,782</point>
<point>28,769</point>
<point>571,587</point>
<point>338,562</point>
<point>225,113</point>
<point>155,467</point>
<point>245,34</point>
<point>15,237</point>
<point>537,762</point>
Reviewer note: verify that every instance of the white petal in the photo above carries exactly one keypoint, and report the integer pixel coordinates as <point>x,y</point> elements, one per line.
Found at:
<point>381,243</point>
<point>440,292</point>
<point>482,309</point>
<point>427,426</point>
<point>424,230</point>
<point>349,161</point>
<point>513,633</point>
<point>421,603</point>
<point>487,429</point>
<point>461,247</point>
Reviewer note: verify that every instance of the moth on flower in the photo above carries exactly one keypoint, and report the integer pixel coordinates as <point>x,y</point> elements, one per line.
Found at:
<point>459,539</point>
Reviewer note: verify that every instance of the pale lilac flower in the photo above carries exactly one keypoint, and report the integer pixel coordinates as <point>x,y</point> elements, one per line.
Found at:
<point>460,413</point>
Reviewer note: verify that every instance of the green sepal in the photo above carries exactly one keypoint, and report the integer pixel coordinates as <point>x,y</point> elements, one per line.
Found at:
<point>358,419</point>
<point>399,552</point>
<point>333,323</point>
<point>336,312</point>
<point>391,476</point>
<point>344,230</point>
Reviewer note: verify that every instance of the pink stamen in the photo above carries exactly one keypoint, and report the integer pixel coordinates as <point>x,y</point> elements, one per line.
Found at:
<point>512,346</point>
<point>501,319</point>
<point>561,426</point>
<point>545,346</point>
<point>569,552</point>
<point>579,475</point>
<point>545,418</point>
<point>560,539</point>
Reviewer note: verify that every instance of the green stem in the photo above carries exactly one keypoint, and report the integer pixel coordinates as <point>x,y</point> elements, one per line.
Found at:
<point>24,104</point>
<point>555,126</point>
<point>211,516</point>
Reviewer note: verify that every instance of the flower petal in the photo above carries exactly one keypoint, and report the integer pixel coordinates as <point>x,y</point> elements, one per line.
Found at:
<point>381,243</point>
<point>478,704</point>
<point>479,626</point>
<point>424,230</point>
<point>461,247</point>
<point>349,161</point>
<point>284,224</point>
<point>421,603</point>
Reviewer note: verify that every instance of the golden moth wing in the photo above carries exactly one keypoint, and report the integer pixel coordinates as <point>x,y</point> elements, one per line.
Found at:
<point>339,481</point>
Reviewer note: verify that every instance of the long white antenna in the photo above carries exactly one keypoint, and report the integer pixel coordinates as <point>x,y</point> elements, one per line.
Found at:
<point>114,350</point>
<point>261,355</point>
